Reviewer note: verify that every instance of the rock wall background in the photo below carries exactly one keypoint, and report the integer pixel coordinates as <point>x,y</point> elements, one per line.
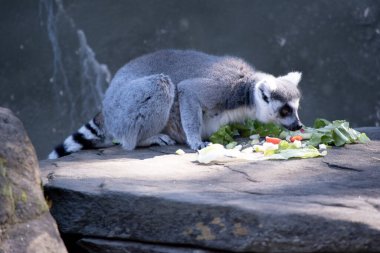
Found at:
<point>57,56</point>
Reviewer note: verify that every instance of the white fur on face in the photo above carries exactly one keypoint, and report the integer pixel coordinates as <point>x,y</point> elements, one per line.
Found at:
<point>264,110</point>
<point>293,117</point>
<point>294,103</point>
<point>269,112</point>
<point>275,106</point>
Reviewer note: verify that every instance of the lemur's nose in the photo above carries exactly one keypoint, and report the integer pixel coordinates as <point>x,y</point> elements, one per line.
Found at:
<point>297,125</point>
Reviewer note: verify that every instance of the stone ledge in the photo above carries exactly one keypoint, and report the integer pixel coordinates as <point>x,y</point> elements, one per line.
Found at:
<point>152,195</point>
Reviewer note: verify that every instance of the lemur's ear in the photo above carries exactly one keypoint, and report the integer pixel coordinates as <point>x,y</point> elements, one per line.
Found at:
<point>293,77</point>
<point>266,87</point>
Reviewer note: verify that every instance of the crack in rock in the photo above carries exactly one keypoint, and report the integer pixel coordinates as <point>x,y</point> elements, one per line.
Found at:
<point>253,193</point>
<point>106,244</point>
<point>333,204</point>
<point>246,175</point>
<point>340,167</point>
<point>50,177</point>
<point>375,206</point>
<point>246,191</point>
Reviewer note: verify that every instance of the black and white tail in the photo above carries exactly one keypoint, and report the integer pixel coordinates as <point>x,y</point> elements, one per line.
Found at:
<point>89,136</point>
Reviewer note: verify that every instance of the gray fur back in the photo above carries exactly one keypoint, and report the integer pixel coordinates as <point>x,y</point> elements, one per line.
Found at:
<point>180,65</point>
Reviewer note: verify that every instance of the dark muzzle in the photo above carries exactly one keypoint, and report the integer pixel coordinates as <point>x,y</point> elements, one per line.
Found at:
<point>296,125</point>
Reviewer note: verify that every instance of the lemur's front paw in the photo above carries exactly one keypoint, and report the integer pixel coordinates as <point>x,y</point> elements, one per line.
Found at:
<point>199,145</point>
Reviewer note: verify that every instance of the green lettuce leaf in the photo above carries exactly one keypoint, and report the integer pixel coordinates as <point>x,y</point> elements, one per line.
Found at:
<point>319,123</point>
<point>226,133</point>
<point>307,152</point>
<point>363,138</point>
<point>265,129</point>
<point>288,145</point>
<point>336,133</point>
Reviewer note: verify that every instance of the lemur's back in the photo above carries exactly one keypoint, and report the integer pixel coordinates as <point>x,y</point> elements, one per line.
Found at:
<point>181,65</point>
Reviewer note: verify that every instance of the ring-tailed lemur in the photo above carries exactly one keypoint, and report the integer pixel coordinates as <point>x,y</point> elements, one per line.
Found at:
<point>184,96</point>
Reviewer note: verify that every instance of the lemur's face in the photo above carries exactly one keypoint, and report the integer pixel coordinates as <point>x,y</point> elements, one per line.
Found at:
<point>286,114</point>
<point>277,100</point>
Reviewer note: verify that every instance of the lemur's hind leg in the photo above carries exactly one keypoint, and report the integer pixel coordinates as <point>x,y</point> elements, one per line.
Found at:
<point>138,110</point>
<point>159,139</point>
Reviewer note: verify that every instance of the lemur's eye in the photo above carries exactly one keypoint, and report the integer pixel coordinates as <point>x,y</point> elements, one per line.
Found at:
<point>285,111</point>
<point>265,97</point>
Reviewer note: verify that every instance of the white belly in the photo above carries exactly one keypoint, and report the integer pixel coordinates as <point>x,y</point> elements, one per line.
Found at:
<point>212,123</point>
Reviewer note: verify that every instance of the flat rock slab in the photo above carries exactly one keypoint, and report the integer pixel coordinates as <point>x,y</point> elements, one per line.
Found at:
<point>329,204</point>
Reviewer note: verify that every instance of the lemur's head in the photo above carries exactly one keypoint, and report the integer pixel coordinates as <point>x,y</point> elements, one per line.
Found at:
<point>277,100</point>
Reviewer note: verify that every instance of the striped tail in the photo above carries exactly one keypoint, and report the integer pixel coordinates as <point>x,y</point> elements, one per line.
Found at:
<point>89,136</point>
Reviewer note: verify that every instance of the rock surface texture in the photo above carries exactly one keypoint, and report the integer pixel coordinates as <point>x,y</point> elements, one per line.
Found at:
<point>26,225</point>
<point>114,198</point>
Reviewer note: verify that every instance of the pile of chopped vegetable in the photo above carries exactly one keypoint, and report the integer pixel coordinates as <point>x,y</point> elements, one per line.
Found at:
<point>270,141</point>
